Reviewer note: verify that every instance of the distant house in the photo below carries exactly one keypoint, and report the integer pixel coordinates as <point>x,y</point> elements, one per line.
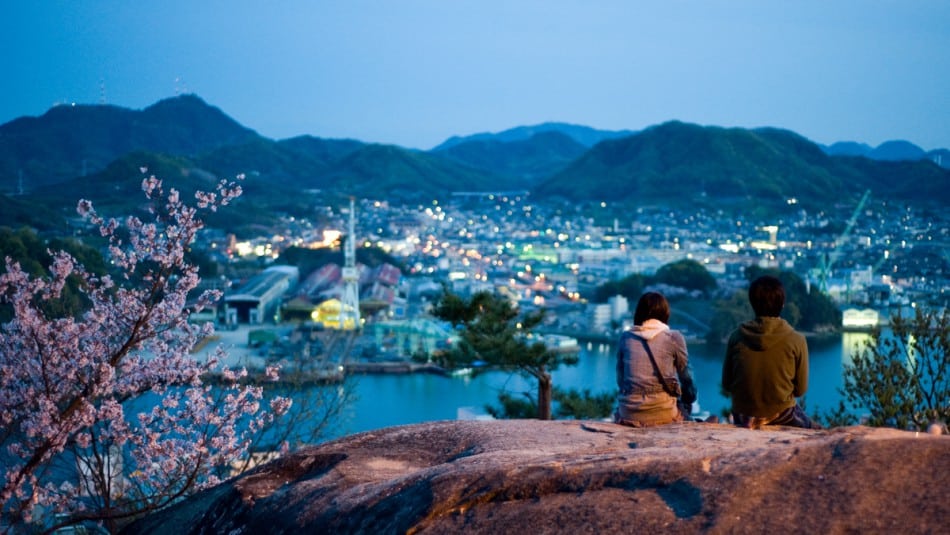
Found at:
<point>387,274</point>
<point>260,297</point>
<point>319,280</point>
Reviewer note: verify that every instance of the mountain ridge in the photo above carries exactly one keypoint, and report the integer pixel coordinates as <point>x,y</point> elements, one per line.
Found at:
<point>70,141</point>
<point>770,165</point>
<point>392,170</point>
<point>585,135</point>
<point>75,147</point>
<point>529,160</point>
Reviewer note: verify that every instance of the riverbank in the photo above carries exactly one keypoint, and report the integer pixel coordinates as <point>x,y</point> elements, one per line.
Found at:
<point>393,367</point>
<point>409,389</point>
<point>238,353</point>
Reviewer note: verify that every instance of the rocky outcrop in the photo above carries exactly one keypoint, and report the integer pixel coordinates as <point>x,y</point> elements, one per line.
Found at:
<point>529,476</point>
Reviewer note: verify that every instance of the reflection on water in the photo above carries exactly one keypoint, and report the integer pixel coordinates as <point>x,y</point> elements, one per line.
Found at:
<point>851,341</point>
<point>826,365</point>
<point>386,400</point>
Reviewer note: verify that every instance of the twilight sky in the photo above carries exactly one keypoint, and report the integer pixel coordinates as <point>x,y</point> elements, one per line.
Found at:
<point>415,72</point>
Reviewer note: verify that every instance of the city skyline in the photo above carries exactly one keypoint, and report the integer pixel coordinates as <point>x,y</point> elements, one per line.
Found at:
<point>416,73</point>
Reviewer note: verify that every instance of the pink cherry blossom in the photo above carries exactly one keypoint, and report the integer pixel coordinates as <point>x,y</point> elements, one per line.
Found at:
<point>115,392</point>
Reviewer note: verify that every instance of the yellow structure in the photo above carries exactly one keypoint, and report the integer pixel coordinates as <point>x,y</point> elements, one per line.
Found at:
<point>328,314</point>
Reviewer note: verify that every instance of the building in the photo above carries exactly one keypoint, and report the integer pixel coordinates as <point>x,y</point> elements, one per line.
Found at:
<point>259,299</point>
<point>860,319</point>
<point>600,316</point>
<point>619,307</point>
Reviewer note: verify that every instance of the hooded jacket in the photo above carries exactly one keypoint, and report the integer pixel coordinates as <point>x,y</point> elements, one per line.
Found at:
<point>766,367</point>
<point>642,399</point>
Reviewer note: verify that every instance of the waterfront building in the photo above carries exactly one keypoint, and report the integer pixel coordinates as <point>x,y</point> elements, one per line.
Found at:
<point>600,316</point>
<point>259,298</point>
<point>853,319</point>
<point>410,337</point>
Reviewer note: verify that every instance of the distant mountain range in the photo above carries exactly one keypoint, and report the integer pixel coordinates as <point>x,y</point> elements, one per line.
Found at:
<point>891,151</point>
<point>48,162</point>
<point>527,160</point>
<point>584,135</point>
<point>689,162</point>
<point>69,141</point>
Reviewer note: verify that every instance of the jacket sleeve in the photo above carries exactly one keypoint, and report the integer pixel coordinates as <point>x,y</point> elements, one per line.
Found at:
<point>727,367</point>
<point>619,367</point>
<point>801,370</point>
<point>680,353</point>
<point>683,371</point>
<point>687,384</point>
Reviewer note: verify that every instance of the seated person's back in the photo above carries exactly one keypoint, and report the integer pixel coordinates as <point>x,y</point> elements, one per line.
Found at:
<point>766,364</point>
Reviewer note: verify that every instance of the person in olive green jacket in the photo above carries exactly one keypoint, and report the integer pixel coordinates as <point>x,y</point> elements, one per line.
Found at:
<point>766,364</point>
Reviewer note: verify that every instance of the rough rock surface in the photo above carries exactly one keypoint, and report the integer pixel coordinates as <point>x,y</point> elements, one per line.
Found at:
<point>529,476</point>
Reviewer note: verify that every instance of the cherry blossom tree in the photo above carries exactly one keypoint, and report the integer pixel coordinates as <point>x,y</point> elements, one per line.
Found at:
<point>107,415</point>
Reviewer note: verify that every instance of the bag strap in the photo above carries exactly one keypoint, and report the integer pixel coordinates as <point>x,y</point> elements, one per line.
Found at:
<point>656,369</point>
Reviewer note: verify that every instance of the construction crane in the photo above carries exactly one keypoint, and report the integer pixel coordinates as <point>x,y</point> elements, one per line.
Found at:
<point>829,258</point>
<point>884,258</point>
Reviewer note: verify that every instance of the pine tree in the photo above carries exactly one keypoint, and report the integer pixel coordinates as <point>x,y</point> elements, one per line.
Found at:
<point>494,330</point>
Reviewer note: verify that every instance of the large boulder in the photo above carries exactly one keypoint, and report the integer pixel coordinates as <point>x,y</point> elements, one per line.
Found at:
<point>529,476</point>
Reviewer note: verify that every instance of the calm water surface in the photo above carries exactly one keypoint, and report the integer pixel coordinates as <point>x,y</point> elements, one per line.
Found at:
<point>387,400</point>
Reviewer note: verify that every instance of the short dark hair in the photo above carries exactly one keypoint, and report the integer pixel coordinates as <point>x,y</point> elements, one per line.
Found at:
<point>652,305</point>
<point>767,296</point>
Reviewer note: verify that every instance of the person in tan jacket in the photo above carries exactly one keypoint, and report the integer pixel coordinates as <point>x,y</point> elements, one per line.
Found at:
<point>653,376</point>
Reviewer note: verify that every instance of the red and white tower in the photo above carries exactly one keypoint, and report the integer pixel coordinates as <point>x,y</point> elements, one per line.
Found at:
<point>350,305</point>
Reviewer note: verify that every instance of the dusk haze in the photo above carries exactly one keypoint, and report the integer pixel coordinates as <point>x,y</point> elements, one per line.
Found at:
<point>474,266</point>
<point>414,73</point>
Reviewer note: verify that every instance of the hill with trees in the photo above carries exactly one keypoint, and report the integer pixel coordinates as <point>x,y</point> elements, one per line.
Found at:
<point>117,190</point>
<point>77,147</point>
<point>388,171</point>
<point>71,141</point>
<point>894,150</point>
<point>530,160</point>
<point>584,135</point>
<point>768,165</point>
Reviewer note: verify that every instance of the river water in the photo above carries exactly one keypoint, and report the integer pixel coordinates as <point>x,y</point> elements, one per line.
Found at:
<point>387,400</point>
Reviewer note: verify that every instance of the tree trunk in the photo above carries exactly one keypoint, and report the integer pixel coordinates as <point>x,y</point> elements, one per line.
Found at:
<point>544,396</point>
